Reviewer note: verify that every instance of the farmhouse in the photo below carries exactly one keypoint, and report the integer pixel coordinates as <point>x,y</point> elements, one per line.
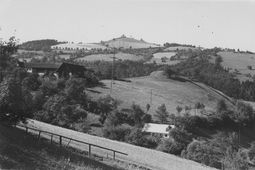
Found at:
<point>161,129</point>
<point>40,68</point>
<point>59,70</point>
<point>69,69</point>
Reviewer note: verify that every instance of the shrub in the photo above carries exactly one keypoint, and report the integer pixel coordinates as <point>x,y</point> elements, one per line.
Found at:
<point>170,146</point>
<point>116,132</point>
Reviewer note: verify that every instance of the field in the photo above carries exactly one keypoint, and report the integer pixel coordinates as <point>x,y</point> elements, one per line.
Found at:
<point>180,48</point>
<point>108,57</point>
<point>21,151</point>
<point>167,55</point>
<point>239,61</point>
<point>156,89</point>
<point>141,156</point>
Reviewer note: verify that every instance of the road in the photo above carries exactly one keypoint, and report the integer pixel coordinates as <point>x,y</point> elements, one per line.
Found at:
<point>149,158</point>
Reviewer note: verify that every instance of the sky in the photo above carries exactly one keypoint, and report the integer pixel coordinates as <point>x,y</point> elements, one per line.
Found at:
<point>207,23</point>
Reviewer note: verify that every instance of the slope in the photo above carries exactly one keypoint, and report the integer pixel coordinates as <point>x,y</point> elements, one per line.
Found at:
<point>149,158</point>
<point>156,89</point>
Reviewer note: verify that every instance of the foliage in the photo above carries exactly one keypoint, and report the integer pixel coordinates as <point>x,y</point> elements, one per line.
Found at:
<point>204,152</point>
<point>116,132</point>
<point>170,146</point>
<point>161,114</point>
<point>37,45</point>
<point>122,69</point>
<point>139,138</point>
<point>31,82</point>
<point>15,102</point>
<point>244,114</point>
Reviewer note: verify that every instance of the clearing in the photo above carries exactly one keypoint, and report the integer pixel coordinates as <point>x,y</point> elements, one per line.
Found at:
<point>156,89</point>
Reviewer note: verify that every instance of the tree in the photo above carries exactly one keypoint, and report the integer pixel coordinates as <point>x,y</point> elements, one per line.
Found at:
<point>221,106</point>
<point>15,102</point>
<point>161,114</point>
<point>170,146</point>
<point>244,114</point>
<point>178,109</point>
<point>204,152</point>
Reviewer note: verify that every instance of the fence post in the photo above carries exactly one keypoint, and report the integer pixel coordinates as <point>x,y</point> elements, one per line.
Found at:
<point>51,138</point>
<point>113,155</point>
<point>26,130</point>
<point>89,150</point>
<point>39,135</point>
<point>60,140</point>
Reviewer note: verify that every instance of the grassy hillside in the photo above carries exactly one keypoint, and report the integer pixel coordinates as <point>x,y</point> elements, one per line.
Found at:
<point>170,92</point>
<point>239,62</point>
<point>126,42</point>
<point>21,151</point>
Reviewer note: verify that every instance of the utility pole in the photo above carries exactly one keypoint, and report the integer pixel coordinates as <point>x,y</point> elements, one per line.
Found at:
<point>113,61</point>
<point>151,97</point>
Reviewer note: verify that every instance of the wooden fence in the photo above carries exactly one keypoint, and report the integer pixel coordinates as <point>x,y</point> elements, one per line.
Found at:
<point>61,138</point>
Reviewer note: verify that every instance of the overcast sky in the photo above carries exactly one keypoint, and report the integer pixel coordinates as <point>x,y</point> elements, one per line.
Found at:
<point>205,23</point>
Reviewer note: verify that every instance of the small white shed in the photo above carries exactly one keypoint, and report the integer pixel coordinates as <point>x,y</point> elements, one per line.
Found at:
<point>162,129</point>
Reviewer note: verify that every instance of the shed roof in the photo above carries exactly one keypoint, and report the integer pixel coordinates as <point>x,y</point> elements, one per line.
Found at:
<point>157,128</point>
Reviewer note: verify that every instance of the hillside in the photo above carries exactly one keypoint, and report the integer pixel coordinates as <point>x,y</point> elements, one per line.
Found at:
<point>21,151</point>
<point>126,42</point>
<point>239,62</point>
<point>160,90</point>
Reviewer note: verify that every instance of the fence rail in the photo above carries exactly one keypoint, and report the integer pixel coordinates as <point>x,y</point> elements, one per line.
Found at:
<point>61,137</point>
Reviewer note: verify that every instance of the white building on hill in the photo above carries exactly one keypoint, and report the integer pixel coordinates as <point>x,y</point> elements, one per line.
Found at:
<point>161,129</point>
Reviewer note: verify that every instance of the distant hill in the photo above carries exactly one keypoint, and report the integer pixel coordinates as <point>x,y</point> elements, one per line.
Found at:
<point>127,42</point>
<point>39,45</point>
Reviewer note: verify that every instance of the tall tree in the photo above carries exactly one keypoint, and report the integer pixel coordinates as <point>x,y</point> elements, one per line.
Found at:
<point>161,114</point>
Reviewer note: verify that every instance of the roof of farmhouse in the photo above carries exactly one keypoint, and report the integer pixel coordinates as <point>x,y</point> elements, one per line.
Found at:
<point>157,128</point>
<point>80,46</point>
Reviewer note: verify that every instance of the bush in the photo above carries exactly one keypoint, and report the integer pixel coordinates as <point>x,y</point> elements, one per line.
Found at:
<point>170,146</point>
<point>116,132</point>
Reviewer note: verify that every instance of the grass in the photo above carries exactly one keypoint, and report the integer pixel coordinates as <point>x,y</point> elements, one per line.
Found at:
<point>137,158</point>
<point>108,57</point>
<point>239,61</point>
<point>21,151</point>
<point>164,91</point>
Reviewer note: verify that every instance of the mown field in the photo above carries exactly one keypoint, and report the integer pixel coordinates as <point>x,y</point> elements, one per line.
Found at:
<point>144,157</point>
<point>155,90</point>
<point>108,57</point>
<point>239,61</point>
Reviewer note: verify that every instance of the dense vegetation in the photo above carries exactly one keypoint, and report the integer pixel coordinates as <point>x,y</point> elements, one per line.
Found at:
<point>39,45</point>
<point>122,69</point>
